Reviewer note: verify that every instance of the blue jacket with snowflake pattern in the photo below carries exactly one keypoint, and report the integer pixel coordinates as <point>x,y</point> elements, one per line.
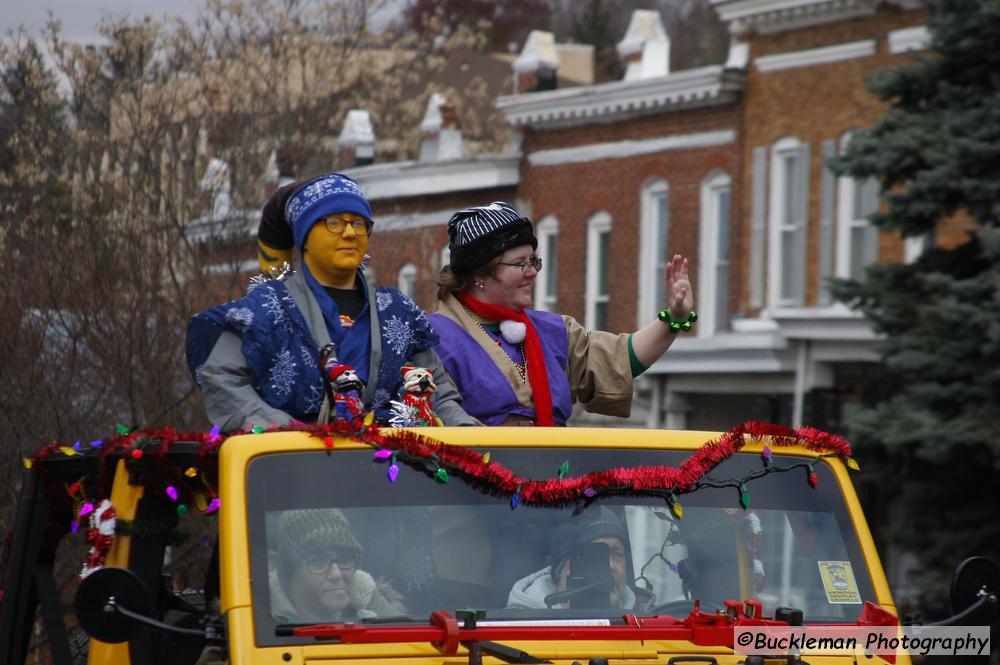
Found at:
<point>256,359</point>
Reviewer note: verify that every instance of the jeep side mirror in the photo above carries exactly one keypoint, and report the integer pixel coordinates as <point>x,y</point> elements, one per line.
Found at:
<point>977,581</point>
<point>99,596</point>
<point>112,604</point>
<point>975,594</point>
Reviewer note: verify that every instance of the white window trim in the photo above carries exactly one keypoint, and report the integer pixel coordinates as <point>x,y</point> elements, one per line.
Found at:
<point>909,39</point>
<point>408,273</point>
<point>846,186</point>
<point>776,213</point>
<point>914,246</point>
<point>647,248</point>
<point>445,257</point>
<point>711,187</point>
<point>593,152</point>
<point>598,223</point>
<point>546,230</point>
<point>816,56</point>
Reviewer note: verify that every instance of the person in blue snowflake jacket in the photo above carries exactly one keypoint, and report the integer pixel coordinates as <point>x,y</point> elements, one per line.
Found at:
<point>257,358</point>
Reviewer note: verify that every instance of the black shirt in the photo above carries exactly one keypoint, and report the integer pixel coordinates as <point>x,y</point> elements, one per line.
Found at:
<point>349,301</point>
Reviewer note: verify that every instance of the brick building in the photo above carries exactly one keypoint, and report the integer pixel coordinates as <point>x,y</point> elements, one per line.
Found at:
<point>724,164</point>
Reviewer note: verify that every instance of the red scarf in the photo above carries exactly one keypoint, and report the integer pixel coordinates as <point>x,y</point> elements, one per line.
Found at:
<point>534,356</point>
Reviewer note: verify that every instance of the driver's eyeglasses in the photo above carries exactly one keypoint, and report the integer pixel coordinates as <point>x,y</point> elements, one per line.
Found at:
<point>534,262</point>
<point>320,565</point>
<point>336,225</point>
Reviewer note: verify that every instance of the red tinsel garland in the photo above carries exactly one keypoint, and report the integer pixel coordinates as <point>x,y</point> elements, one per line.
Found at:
<point>497,479</point>
<point>491,477</point>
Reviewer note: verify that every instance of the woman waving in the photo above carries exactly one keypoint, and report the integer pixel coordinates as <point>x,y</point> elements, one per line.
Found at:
<point>517,366</point>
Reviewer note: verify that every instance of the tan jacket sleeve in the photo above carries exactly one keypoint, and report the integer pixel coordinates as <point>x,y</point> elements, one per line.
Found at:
<point>600,375</point>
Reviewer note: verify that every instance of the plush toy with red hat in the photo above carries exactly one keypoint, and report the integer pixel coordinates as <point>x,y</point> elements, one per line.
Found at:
<point>343,386</point>
<point>418,390</point>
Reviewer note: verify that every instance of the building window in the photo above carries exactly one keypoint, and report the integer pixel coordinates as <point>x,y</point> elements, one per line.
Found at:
<point>653,234</point>
<point>598,270</point>
<point>713,261</point>
<point>547,232</point>
<point>914,246</point>
<point>789,221</point>
<point>407,280</point>
<point>857,239</point>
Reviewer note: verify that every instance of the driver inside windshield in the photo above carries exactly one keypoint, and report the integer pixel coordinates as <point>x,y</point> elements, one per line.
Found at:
<point>574,579</point>
<point>317,575</point>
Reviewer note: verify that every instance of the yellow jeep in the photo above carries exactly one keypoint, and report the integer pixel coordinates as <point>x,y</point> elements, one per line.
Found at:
<point>455,545</point>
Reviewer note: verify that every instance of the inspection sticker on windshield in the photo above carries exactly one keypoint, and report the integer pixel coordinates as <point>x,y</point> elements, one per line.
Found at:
<point>839,583</point>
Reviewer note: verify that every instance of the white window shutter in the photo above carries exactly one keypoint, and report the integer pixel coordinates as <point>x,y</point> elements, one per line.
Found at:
<point>870,193</point>
<point>800,215</point>
<point>827,224</point>
<point>758,226</point>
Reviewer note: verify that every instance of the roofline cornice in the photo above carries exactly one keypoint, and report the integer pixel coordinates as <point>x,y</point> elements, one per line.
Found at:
<point>769,16</point>
<point>616,100</point>
<point>406,179</point>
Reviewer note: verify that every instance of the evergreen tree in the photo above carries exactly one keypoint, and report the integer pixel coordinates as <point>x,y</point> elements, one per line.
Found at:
<point>936,153</point>
<point>594,25</point>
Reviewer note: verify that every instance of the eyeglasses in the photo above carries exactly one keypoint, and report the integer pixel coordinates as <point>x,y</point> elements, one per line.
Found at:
<point>320,565</point>
<point>534,262</point>
<point>336,225</point>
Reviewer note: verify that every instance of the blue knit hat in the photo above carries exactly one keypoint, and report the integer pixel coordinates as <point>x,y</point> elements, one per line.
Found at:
<point>321,197</point>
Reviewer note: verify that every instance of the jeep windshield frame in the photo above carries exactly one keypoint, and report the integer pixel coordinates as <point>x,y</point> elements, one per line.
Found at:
<point>444,546</point>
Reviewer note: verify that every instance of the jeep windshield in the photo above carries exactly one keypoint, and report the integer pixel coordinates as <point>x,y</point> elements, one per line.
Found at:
<point>332,540</point>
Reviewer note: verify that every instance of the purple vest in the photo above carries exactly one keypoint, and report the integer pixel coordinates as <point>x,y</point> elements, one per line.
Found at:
<point>486,392</point>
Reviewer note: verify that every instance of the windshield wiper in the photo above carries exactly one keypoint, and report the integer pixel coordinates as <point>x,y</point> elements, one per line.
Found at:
<point>500,652</point>
<point>477,648</point>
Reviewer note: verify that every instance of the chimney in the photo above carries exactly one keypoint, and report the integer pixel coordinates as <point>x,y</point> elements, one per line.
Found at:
<point>645,48</point>
<point>356,143</point>
<point>440,135</point>
<point>272,176</point>
<point>535,69</point>
<point>216,187</point>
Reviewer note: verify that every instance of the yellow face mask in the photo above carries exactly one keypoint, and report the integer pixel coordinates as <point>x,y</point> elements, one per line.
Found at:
<point>272,258</point>
<point>334,248</point>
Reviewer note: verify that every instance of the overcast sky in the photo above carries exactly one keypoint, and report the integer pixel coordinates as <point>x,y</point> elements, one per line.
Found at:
<point>80,17</point>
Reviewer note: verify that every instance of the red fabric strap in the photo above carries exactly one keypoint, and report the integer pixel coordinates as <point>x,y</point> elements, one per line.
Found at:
<point>534,356</point>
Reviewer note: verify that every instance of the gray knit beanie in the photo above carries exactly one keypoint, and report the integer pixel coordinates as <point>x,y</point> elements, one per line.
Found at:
<point>308,531</point>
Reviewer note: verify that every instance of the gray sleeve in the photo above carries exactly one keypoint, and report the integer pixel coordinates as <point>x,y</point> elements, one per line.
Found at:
<point>231,401</point>
<point>447,399</point>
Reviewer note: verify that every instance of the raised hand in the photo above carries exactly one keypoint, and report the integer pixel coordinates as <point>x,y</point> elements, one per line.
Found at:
<point>680,295</point>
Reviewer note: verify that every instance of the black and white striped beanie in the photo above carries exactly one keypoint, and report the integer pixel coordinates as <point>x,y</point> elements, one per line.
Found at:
<point>478,235</point>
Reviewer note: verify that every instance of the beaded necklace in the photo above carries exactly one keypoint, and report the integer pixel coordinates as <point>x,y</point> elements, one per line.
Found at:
<point>520,367</point>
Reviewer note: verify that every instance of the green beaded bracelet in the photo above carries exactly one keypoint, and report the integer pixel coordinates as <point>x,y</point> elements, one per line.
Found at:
<point>673,324</point>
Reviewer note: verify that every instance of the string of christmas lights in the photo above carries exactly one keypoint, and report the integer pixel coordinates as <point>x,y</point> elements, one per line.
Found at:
<point>146,457</point>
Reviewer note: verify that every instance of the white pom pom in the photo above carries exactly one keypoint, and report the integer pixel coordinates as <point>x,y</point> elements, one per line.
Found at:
<point>513,331</point>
